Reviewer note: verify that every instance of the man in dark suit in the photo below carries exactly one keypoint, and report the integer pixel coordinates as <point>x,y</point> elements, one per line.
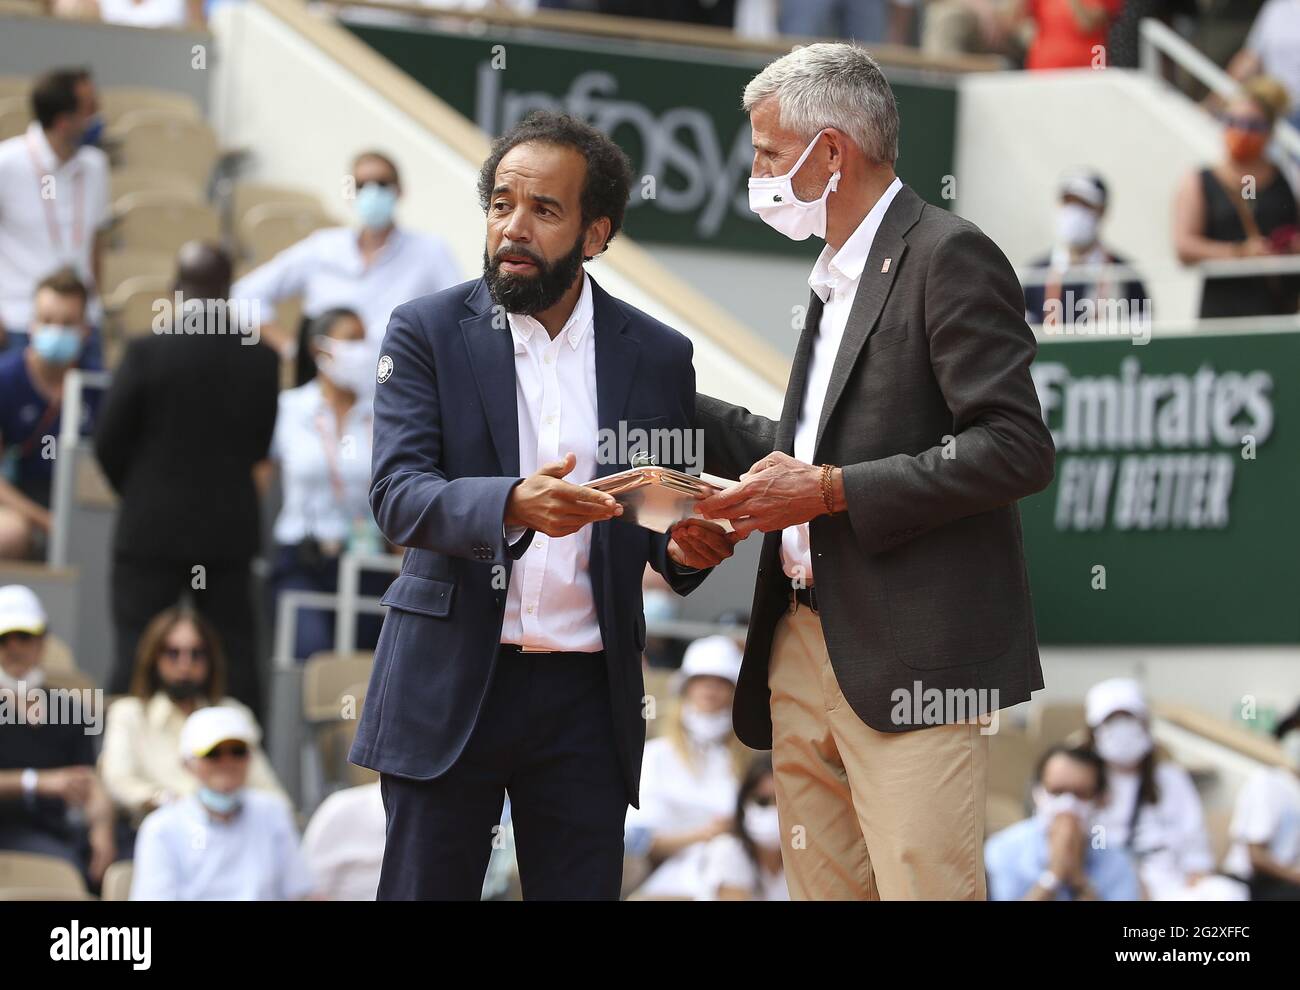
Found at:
<point>191,410</point>
<point>510,659</point>
<point>892,605</point>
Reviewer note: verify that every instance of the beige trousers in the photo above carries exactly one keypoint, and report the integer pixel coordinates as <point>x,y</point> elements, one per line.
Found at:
<point>869,815</point>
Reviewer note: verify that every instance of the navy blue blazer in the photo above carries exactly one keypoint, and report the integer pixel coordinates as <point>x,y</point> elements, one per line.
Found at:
<point>446,455</point>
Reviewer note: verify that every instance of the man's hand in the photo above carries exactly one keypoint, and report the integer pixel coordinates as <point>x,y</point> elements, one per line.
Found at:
<point>72,785</point>
<point>544,502</point>
<point>699,544</point>
<point>776,492</point>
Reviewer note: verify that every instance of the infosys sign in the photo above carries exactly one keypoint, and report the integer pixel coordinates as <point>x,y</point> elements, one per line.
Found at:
<point>1173,514</point>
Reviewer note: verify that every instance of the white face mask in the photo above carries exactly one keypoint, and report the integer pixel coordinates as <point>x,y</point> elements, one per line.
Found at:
<point>762,825</point>
<point>1048,806</point>
<point>1076,225</point>
<point>1291,748</point>
<point>706,727</point>
<point>1122,741</point>
<point>773,199</point>
<point>349,364</point>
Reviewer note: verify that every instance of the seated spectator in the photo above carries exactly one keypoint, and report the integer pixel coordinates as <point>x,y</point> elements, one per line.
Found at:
<point>344,844</point>
<point>1243,207</point>
<point>54,196</point>
<point>226,841</point>
<point>370,270</point>
<point>974,27</point>
<point>745,863</point>
<point>51,802</point>
<point>1265,825</point>
<point>322,446</point>
<point>179,670</point>
<point>1058,304</point>
<point>31,400</point>
<point>867,22</point>
<point>1273,49</point>
<point>1051,856</point>
<point>1151,808</point>
<point>1068,34</point>
<point>690,774</point>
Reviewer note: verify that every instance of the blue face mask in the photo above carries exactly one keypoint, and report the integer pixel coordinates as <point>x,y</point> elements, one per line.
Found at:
<point>55,343</point>
<point>375,205</point>
<point>94,132</point>
<point>218,802</point>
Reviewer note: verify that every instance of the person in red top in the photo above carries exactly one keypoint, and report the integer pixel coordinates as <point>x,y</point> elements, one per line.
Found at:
<point>1070,33</point>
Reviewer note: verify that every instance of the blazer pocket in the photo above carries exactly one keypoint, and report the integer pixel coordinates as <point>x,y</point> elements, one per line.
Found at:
<point>421,595</point>
<point>886,336</point>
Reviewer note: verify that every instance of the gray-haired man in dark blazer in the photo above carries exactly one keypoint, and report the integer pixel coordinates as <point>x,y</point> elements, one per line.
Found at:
<point>892,604</point>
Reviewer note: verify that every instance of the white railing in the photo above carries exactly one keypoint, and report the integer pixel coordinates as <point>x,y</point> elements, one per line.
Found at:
<point>64,481</point>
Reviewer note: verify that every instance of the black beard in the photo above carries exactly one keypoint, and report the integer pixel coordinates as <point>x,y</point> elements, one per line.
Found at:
<point>529,294</point>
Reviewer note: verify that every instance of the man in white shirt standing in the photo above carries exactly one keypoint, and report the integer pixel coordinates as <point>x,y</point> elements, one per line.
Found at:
<point>54,197</point>
<point>510,659</point>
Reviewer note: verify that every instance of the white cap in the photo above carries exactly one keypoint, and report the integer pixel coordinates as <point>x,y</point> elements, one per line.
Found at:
<point>20,610</point>
<point>1119,694</point>
<point>1087,186</point>
<point>712,656</point>
<point>207,728</point>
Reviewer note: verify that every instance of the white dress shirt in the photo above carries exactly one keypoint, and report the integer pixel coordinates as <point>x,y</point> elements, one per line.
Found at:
<point>326,269</point>
<point>324,469</point>
<point>50,212</point>
<point>1267,813</point>
<point>549,605</point>
<point>835,279</point>
<point>344,844</point>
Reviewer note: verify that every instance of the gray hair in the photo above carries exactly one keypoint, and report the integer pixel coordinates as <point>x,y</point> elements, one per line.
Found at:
<point>831,84</point>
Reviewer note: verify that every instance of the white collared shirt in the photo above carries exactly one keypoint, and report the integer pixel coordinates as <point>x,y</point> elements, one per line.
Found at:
<point>835,279</point>
<point>324,467</point>
<point>50,212</point>
<point>326,269</point>
<point>549,604</point>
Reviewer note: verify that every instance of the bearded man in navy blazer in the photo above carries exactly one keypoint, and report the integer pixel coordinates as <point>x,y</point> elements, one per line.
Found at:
<point>510,658</point>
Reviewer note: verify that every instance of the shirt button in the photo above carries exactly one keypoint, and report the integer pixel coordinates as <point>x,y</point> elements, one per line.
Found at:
<point>549,359</point>
<point>537,545</point>
<point>530,610</point>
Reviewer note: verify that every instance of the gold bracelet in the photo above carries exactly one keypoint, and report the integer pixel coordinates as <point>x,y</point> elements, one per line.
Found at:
<point>828,495</point>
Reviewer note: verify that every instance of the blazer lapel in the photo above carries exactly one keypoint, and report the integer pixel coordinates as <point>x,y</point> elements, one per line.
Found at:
<point>873,290</point>
<point>492,356</point>
<point>794,389</point>
<point>616,357</point>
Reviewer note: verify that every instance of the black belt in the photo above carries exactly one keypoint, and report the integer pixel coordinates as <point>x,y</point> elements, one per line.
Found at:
<point>806,597</point>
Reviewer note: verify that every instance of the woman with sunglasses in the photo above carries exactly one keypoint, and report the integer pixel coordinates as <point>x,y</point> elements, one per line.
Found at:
<point>1242,207</point>
<point>179,669</point>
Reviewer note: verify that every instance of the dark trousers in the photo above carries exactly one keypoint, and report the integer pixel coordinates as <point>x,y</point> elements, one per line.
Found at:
<point>314,631</point>
<point>545,735</point>
<point>143,587</point>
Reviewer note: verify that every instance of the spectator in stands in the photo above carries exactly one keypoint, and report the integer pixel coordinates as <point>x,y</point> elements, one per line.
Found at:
<point>370,270</point>
<point>1151,808</point>
<point>31,400</point>
<point>865,21</point>
<point>54,196</point>
<point>51,802</point>
<point>1068,34</point>
<point>1243,207</point>
<point>1059,304</point>
<point>322,447</point>
<point>1273,49</point>
<point>226,841</point>
<point>179,670</point>
<point>187,417</point>
<point>977,27</point>
<point>1051,856</point>
<point>690,775</point>
<point>344,844</point>
<point>745,863</point>
<point>721,13</point>
<point>1265,826</point>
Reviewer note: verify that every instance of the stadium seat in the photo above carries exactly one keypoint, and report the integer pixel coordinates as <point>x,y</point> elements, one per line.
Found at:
<point>58,658</point>
<point>124,181</point>
<point>118,266</point>
<point>44,894</point>
<point>118,101</point>
<point>246,195</point>
<point>22,870</point>
<point>14,117</point>
<point>15,88</point>
<point>117,881</point>
<point>268,228</point>
<point>130,310</point>
<point>162,139</point>
<point>1053,722</point>
<point>1012,755</point>
<point>327,678</point>
<point>161,221</point>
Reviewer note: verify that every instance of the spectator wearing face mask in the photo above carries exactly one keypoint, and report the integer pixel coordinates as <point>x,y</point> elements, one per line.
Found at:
<point>745,863</point>
<point>1242,207</point>
<point>690,775</point>
<point>1052,856</point>
<point>1151,808</point>
<point>1265,825</point>
<point>226,841</point>
<point>322,446</point>
<point>1057,302</point>
<point>179,669</point>
<point>370,269</point>
<point>31,401</point>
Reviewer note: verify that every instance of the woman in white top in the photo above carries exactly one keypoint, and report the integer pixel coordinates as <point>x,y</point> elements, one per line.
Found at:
<point>179,669</point>
<point>322,446</point>
<point>745,863</point>
<point>1152,808</point>
<point>689,775</point>
<point>1266,824</point>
